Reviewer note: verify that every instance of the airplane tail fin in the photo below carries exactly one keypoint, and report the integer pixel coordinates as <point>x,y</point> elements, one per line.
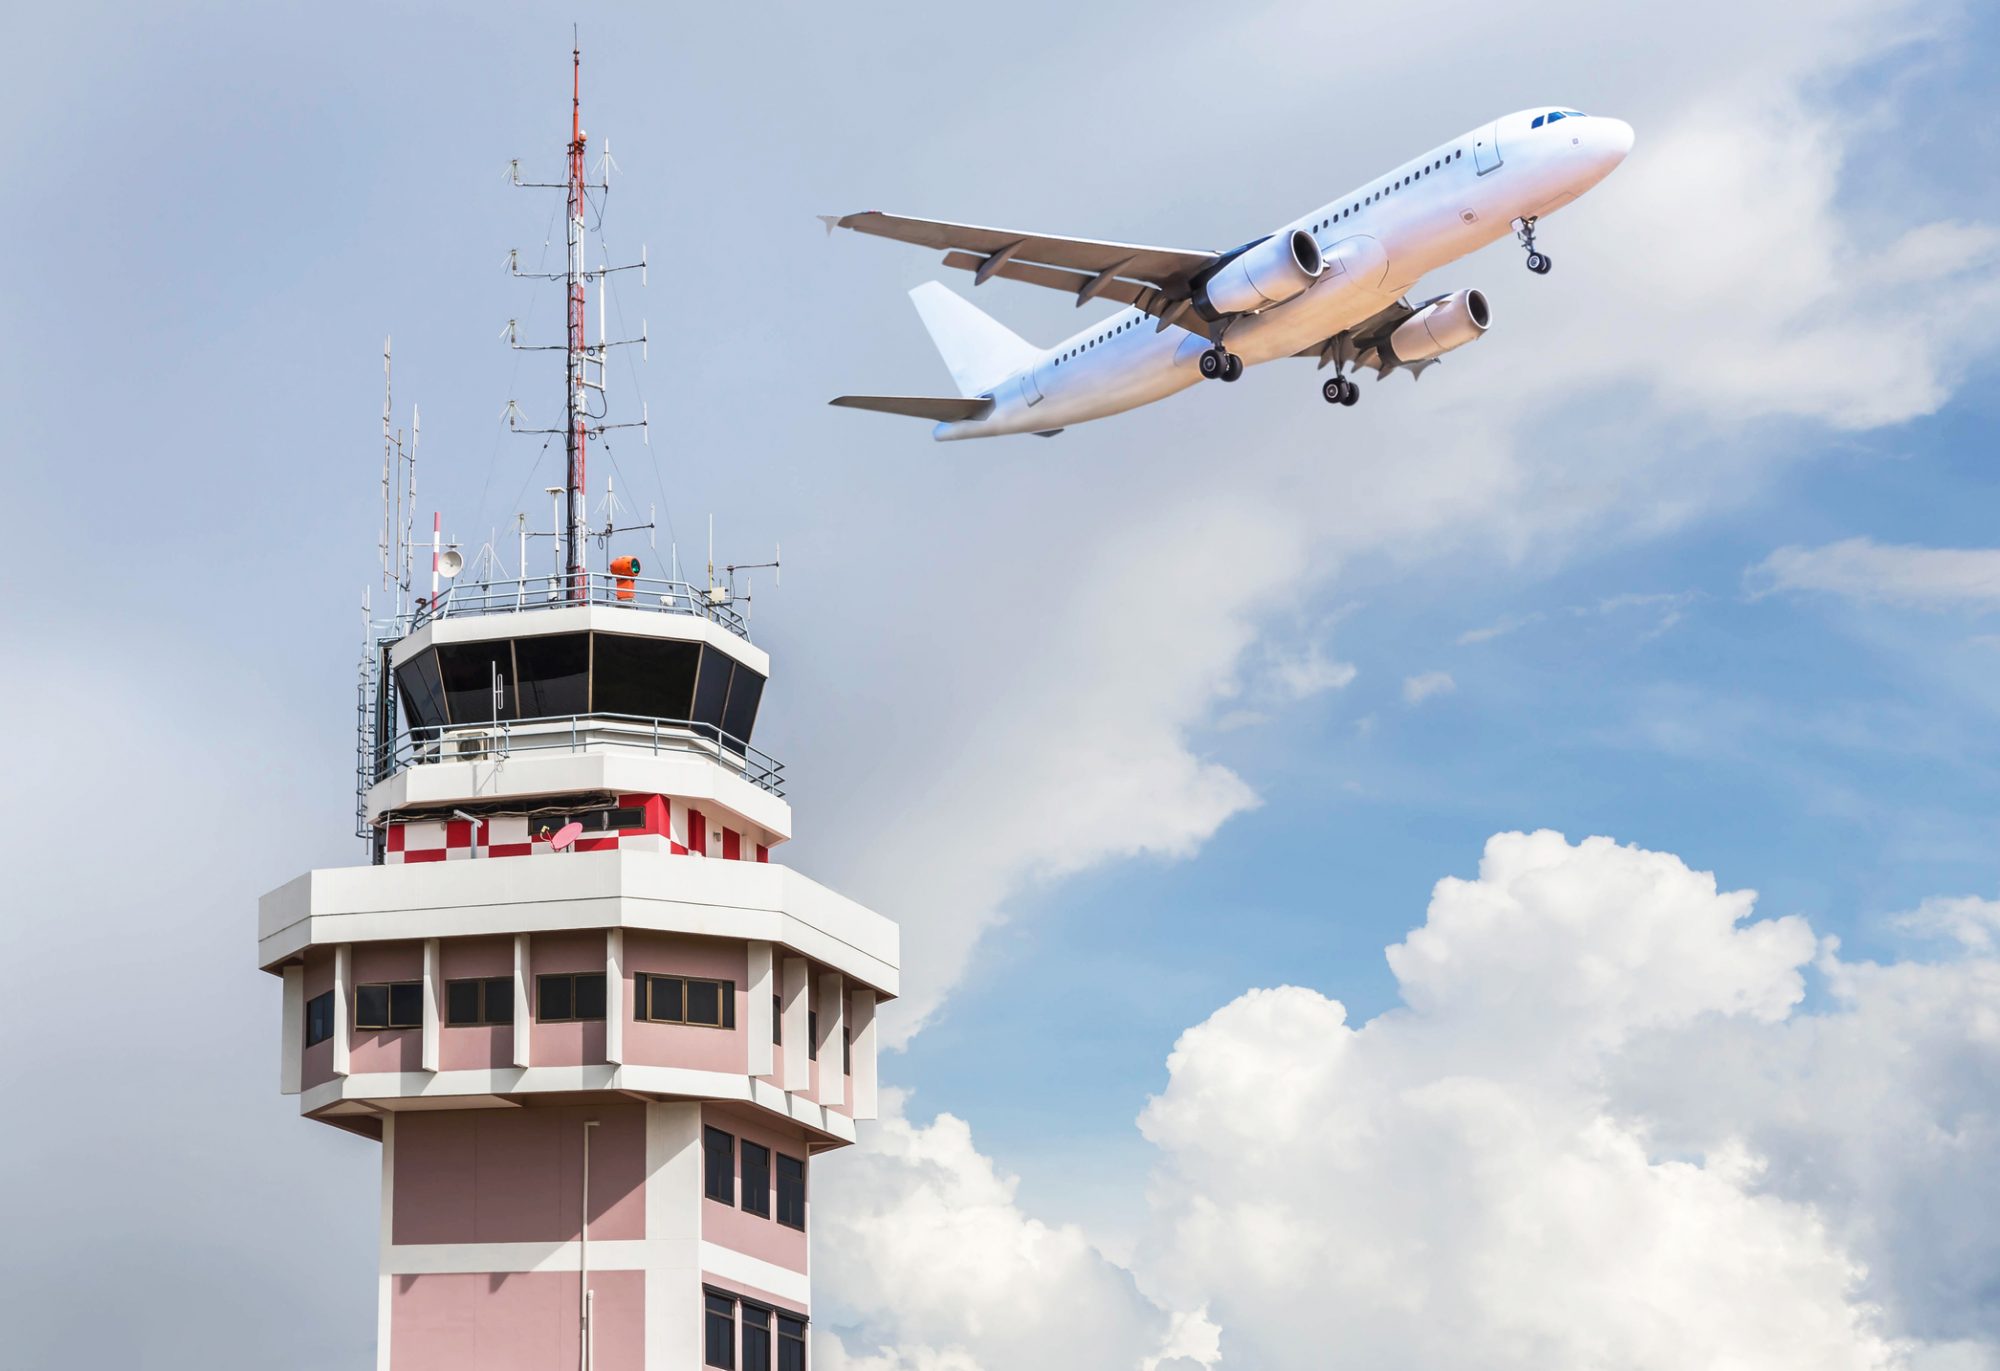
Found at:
<point>977,349</point>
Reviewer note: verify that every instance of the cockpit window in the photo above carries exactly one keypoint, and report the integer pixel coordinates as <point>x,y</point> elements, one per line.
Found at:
<point>1554,115</point>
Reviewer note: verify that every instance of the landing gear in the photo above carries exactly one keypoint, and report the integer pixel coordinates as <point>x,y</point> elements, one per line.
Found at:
<point>1538,261</point>
<point>1340,390</point>
<point>1216,364</point>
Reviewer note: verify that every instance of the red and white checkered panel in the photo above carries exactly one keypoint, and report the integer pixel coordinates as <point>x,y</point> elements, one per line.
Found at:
<point>667,825</point>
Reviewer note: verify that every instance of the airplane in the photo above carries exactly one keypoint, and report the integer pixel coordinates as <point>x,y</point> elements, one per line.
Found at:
<point>1331,285</point>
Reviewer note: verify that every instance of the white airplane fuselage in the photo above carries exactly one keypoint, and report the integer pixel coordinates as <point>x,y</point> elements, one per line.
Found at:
<point>1376,242</point>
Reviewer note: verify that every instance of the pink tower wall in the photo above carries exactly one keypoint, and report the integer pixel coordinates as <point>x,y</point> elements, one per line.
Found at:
<point>516,1175</point>
<point>524,1321</point>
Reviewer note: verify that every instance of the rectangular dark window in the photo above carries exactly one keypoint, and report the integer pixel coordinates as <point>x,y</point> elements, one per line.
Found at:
<point>718,1165</point>
<point>679,999</point>
<point>590,996</point>
<point>666,999</point>
<point>406,1005</point>
<point>756,1179</point>
<point>555,997</point>
<point>756,1338</point>
<point>846,1051</point>
<point>719,1332</point>
<point>791,1192</point>
<point>576,995</point>
<point>711,688</point>
<point>486,1001</point>
<point>812,1035</point>
<point>319,1018</point>
<point>421,692</point>
<point>791,1343</point>
<point>392,1005</point>
<point>777,1021</point>
<point>739,715</point>
<point>610,820</point>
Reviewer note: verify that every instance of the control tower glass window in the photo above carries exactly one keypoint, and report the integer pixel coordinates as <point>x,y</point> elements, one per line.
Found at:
<point>711,692</point>
<point>469,671</point>
<point>740,714</point>
<point>422,693</point>
<point>651,677</point>
<point>555,674</point>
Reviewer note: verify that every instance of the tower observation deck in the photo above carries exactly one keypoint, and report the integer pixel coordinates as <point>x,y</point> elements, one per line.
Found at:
<point>600,1035</point>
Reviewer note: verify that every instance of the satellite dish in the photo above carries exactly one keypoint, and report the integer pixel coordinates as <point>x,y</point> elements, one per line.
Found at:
<point>566,835</point>
<point>451,563</point>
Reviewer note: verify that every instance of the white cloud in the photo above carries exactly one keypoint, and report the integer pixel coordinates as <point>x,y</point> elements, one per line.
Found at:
<point>1863,569</point>
<point>935,1252</point>
<point>1417,689</point>
<point>1601,1130</point>
<point>1599,1133</point>
<point>1301,675</point>
<point>1966,919</point>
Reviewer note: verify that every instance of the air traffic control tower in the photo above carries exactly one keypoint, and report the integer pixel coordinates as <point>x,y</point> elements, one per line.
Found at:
<point>601,1037</point>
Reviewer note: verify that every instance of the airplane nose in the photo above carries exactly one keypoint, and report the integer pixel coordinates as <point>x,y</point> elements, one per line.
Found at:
<point>1616,137</point>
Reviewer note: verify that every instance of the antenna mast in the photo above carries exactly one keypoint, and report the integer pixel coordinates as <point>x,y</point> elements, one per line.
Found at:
<point>578,437</point>
<point>585,368</point>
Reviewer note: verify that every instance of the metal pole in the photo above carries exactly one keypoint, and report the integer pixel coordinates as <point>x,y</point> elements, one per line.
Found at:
<point>583,1261</point>
<point>578,314</point>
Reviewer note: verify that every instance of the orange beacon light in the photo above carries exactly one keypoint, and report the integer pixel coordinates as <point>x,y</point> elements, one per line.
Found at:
<point>624,569</point>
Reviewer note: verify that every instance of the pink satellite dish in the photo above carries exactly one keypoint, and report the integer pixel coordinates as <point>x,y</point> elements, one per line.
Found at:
<point>566,835</point>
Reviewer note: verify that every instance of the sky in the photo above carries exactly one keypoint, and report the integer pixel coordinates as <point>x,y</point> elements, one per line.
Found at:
<point>1498,876</point>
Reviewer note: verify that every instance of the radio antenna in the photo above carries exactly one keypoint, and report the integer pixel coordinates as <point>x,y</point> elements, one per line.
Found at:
<point>585,368</point>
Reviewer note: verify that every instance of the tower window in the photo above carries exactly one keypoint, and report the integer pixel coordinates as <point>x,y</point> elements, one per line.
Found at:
<point>488,1000</point>
<point>791,1343</point>
<point>756,1337</point>
<point>681,999</point>
<point>719,1333</point>
<point>756,1179</point>
<point>718,1166</point>
<point>319,1018</point>
<point>398,1004</point>
<point>791,1192</point>
<point>569,997</point>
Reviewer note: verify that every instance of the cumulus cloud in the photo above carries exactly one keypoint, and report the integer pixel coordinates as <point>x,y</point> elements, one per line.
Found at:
<point>1600,1132</point>
<point>1884,573</point>
<point>1417,689</point>
<point>1602,1129</point>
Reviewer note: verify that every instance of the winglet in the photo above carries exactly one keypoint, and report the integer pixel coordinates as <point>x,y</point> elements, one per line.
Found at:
<point>832,222</point>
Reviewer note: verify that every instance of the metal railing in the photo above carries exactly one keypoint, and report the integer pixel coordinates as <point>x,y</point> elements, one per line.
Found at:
<point>578,733</point>
<point>467,598</point>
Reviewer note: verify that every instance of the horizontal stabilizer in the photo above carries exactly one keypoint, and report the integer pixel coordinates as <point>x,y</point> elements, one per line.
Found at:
<point>940,408</point>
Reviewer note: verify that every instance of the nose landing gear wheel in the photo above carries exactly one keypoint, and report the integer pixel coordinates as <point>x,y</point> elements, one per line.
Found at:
<point>1232,367</point>
<point>1538,261</point>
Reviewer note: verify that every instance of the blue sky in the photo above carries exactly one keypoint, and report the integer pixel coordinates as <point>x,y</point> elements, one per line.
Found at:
<point>1042,700</point>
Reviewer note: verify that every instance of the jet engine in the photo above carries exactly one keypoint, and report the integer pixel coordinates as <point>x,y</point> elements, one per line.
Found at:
<point>1438,327</point>
<point>1265,274</point>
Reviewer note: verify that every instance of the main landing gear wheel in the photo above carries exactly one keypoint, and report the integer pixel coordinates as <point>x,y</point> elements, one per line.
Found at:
<point>1232,367</point>
<point>1539,263</point>
<point>1340,391</point>
<point>1217,364</point>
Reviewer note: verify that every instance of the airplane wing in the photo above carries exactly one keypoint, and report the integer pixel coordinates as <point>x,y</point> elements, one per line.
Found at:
<point>1155,280</point>
<point>1360,346</point>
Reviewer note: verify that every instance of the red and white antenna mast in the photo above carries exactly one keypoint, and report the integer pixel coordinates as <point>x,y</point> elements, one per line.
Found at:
<point>585,370</point>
